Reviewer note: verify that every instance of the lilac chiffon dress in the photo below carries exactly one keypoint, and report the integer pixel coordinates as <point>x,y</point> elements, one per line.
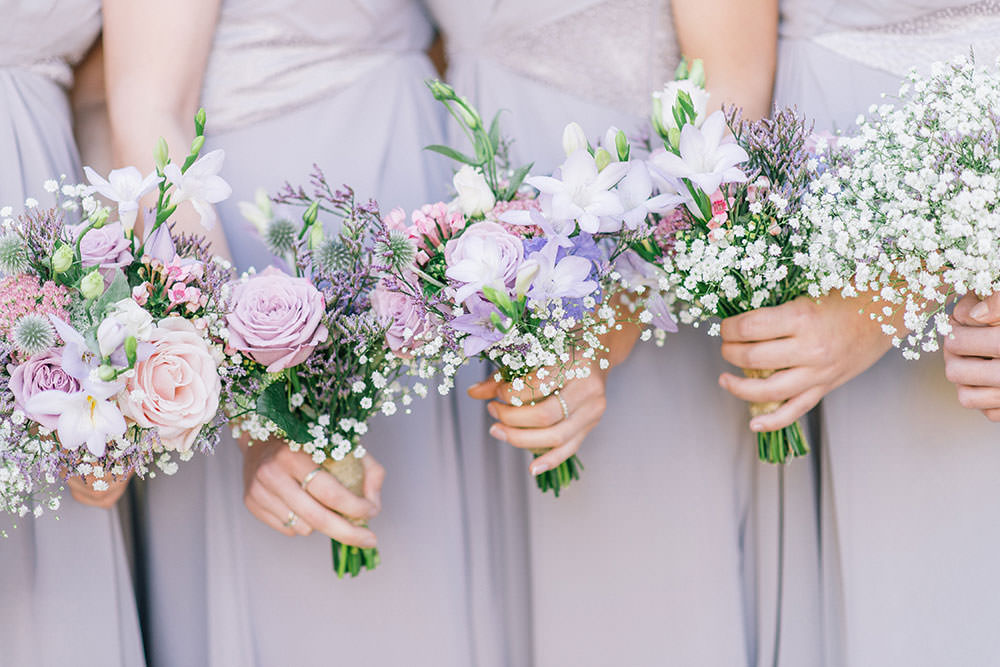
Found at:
<point>653,557</point>
<point>66,593</point>
<point>910,491</point>
<point>291,83</point>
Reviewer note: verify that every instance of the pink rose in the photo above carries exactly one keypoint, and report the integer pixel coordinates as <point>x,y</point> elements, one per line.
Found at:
<point>402,314</point>
<point>486,255</point>
<point>277,320</point>
<point>176,390</point>
<point>106,247</point>
<point>42,372</point>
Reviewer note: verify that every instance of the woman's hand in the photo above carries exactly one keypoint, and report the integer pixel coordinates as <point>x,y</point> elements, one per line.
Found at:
<point>814,346</point>
<point>274,493</point>
<point>82,490</point>
<point>545,424</point>
<point>972,354</point>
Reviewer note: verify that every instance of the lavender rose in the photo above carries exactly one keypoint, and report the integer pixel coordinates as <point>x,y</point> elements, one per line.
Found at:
<point>106,247</point>
<point>42,372</point>
<point>405,317</point>
<point>486,255</point>
<point>277,320</point>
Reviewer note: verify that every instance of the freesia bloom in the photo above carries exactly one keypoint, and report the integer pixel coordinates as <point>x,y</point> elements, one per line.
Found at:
<point>565,278</point>
<point>582,192</point>
<point>476,323</point>
<point>708,156</point>
<point>176,390</point>
<point>125,187</point>
<point>277,320</point>
<point>636,193</point>
<point>83,417</point>
<point>42,372</point>
<point>475,197</point>
<point>200,184</point>
<point>486,255</point>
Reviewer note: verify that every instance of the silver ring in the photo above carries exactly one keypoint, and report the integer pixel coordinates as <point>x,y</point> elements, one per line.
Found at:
<point>291,520</point>
<point>562,403</point>
<point>310,477</point>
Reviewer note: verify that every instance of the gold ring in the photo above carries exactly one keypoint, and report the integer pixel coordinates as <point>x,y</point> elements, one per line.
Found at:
<point>291,520</point>
<point>562,403</point>
<point>310,477</point>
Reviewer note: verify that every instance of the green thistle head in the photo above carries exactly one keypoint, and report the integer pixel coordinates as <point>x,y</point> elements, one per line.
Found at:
<point>332,256</point>
<point>13,255</point>
<point>280,238</point>
<point>398,251</point>
<point>33,334</point>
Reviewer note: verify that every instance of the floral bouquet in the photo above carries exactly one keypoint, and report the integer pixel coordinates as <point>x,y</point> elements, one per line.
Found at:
<point>315,341</point>
<point>733,242</point>
<point>109,362</point>
<point>517,267</point>
<point>910,209</point>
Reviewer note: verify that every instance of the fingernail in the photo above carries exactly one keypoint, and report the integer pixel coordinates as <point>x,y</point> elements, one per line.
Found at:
<point>756,426</point>
<point>538,469</point>
<point>497,432</point>
<point>979,312</point>
<point>492,409</point>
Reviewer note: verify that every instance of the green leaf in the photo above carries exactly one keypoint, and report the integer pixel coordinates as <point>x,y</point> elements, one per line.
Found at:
<point>495,131</point>
<point>517,179</point>
<point>500,300</point>
<point>451,153</point>
<point>273,404</point>
<point>116,291</point>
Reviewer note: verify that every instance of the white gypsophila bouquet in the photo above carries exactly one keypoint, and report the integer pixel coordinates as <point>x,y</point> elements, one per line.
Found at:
<point>908,211</point>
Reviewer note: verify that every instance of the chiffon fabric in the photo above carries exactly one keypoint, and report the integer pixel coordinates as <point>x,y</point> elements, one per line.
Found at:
<point>652,557</point>
<point>291,83</point>
<point>64,577</point>
<point>909,478</point>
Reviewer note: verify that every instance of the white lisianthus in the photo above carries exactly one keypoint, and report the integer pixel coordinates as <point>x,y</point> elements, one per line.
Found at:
<point>475,197</point>
<point>668,98</point>
<point>134,318</point>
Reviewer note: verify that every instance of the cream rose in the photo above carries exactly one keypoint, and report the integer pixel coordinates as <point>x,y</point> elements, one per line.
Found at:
<point>176,390</point>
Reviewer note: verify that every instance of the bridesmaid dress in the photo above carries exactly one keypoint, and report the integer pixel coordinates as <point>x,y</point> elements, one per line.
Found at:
<point>65,584</point>
<point>910,496</point>
<point>652,557</point>
<point>290,83</point>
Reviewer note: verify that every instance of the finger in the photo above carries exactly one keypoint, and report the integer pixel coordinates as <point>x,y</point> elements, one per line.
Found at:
<point>325,488</point>
<point>972,371</point>
<point>975,341</point>
<point>554,457</point>
<point>547,413</point>
<point>268,518</point>
<point>992,415</point>
<point>762,324</point>
<point>374,478</point>
<point>986,311</point>
<point>553,436</point>
<point>961,311</point>
<point>770,355</point>
<point>788,413</point>
<point>979,398</point>
<point>271,504</point>
<point>320,517</point>
<point>529,394</point>
<point>781,386</point>
<point>484,390</point>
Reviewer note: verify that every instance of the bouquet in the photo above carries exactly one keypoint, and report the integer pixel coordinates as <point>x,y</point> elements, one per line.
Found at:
<point>732,242</point>
<point>909,210</point>
<point>109,362</point>
<point>315,341</point>
<point>517,268</point>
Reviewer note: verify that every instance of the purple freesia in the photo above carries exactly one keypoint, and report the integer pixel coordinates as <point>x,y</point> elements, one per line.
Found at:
<point>159,244</point>
<point>565,278</point>
<point>477,324</point>
<point>42,372</point>
<point>636,272</point>
<point>553,231</point>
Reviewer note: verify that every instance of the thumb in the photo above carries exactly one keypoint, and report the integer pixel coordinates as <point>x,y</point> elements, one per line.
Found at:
<point>484,390</point>
<point>986,311</point>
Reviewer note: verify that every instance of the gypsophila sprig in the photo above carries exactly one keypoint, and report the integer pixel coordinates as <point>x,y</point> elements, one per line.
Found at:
<point>909,211</point>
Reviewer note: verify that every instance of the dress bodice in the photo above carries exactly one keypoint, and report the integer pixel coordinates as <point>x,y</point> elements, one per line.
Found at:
<point>48,37</point>
<point>272,56</point>
<point>613,52</point>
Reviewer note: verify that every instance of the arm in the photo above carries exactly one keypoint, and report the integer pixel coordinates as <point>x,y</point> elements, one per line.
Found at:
<point>155,56</point>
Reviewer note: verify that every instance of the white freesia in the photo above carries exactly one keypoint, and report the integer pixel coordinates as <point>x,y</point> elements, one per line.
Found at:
<point>708,156</point>
<point>201,185</point>
<point>583,193</point>
<point>574,138</point>
<point>636,193</point>
<point>668,98</point>
<point>85,417</point>
<point>475,197</point>
<point>125,187</point>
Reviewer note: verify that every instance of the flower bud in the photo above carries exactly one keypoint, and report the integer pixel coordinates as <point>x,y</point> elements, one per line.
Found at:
<point>92,285</point>
<point>263,201</point>
<point>197,144</point>
<point>697,73</point>
<point>315,236</point>
<point>573,138</point>
<point>441,90</point>
<point>475,197</point>
<point>106,373</point>
<point>526,273</point>
<point>602,158</point>
<point>161,154</point>
<point>470,117</point>
<point>99,217</point>
<point>62,259</point>
<point>199,121</point>
<point>311,214</point>
<point>621,143</point>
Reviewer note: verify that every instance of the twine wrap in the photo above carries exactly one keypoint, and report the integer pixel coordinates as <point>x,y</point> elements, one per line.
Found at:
<point>758,409</point>
<point>350,472</point>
